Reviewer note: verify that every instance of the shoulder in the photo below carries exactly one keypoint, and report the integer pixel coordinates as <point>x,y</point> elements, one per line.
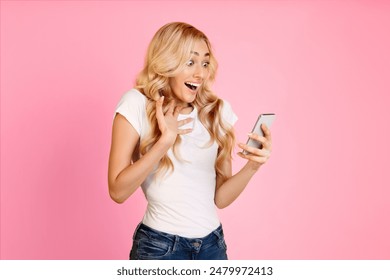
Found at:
<point>132,101</point>
<point>226,106</point>
<point>227,112</point>
<point>134,96</point>
<point>132,106</point>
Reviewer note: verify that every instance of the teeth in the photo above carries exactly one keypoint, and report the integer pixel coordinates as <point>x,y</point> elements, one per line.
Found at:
<point>193,84</point>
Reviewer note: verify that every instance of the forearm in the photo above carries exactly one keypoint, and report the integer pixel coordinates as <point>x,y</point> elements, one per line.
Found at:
<point>130,178</point>
<point>233,187</point>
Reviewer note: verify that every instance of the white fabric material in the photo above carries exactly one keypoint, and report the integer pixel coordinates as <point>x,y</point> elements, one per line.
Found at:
<point>183,202</point>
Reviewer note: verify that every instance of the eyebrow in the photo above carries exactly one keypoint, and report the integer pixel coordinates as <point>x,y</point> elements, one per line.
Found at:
<point>196,53</point>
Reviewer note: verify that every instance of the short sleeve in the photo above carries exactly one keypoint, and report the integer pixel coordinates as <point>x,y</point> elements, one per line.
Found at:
<point>227,113</point>
<point>132,107</point>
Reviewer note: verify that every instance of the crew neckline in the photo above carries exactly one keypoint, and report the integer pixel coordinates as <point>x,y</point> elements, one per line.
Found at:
<point>194,111</point>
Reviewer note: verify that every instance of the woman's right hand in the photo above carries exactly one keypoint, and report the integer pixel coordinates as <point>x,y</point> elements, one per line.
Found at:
<point>168,123</point>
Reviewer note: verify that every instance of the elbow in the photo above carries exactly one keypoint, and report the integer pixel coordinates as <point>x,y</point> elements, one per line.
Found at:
<point>220,204</point>
<point>115,195</point>
<point>117,198</point>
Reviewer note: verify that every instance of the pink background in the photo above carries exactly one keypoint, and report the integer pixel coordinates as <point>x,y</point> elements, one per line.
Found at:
<point>322,66</point>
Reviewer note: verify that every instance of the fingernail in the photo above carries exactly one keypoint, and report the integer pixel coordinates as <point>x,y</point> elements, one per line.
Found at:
<point>250,134</point>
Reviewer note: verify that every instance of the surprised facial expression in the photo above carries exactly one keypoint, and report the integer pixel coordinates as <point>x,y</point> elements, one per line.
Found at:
<point>186,84</point>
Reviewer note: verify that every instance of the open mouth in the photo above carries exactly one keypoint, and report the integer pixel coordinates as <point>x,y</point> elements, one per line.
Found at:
<point>192,86</point>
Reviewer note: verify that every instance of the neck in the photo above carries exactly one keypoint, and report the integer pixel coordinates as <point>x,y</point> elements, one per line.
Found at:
<point>187,108</point>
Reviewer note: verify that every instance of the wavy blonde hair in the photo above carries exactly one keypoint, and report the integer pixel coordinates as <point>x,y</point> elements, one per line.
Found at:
<point>166,56</point>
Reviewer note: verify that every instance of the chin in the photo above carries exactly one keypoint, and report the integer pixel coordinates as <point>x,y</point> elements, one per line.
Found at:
<point>190,99</point>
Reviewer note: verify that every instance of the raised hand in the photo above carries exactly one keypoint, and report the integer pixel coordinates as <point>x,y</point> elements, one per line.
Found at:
<point>168,123</point>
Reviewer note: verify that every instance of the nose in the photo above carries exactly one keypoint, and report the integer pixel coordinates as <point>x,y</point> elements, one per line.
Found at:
<point>200,72</point>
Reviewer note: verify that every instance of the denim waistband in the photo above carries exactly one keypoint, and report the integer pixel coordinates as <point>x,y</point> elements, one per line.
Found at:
<point>215,235</point>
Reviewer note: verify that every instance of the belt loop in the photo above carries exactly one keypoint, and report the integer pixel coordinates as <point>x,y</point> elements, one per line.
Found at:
<point>136,230</point>
<point>218,232</point>
<point>175,242</point>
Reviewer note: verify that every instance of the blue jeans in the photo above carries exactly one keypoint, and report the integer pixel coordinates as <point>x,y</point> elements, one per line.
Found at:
<point>151,244</point>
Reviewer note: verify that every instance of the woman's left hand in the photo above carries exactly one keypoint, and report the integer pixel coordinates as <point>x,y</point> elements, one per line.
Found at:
<point>256,156</point>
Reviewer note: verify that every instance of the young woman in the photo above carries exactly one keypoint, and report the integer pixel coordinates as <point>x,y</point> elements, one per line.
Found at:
<point>174,137</point>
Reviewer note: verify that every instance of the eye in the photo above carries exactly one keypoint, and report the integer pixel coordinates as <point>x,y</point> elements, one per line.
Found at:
<point>206,64</point>
<point>190,62</point>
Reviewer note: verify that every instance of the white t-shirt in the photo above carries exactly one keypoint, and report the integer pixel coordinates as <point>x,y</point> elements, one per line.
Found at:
<point>182,202</point>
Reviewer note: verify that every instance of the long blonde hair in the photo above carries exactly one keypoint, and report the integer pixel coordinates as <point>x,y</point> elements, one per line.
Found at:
<point>166,56</point>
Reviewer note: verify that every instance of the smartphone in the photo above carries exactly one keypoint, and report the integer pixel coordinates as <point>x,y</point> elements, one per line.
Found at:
<point>263,118</point>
